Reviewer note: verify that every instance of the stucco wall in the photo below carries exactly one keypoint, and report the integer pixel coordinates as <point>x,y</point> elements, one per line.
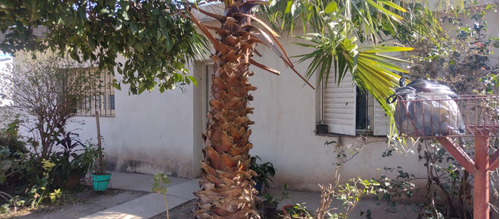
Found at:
<point>285,118</point>
<point>154,131</point>
<point>284,132</point>
<point>149,132</point>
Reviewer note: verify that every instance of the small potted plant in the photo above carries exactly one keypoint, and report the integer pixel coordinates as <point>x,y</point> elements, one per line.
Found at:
<point>100,179</point>
<point>264,173</point>
<point>297,211</point>
<point>271,203</point>
<point>321,128</point>
<point>73,162</point>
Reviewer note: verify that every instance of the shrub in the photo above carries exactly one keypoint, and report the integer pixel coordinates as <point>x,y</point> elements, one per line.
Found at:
<point>73,162</point>
<point>12,152</point>
<point>47,92</point>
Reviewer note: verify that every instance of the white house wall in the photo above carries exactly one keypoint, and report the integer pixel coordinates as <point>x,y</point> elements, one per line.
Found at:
<point>150,132</point>
<point>154,131</point>
<point>285,116</point>
<point>162,131</point>
<point>284,132</point>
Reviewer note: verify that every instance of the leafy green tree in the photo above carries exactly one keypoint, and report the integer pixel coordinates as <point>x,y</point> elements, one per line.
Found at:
<point>157,38</point>
<point>462,56</point>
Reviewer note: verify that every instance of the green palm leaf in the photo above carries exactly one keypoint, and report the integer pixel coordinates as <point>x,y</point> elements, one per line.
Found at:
<point>334,54</point>
<point>372,70</point>
<point>365,18</point>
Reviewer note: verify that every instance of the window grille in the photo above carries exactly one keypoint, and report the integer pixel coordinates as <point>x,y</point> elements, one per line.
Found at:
<point>101,96</point>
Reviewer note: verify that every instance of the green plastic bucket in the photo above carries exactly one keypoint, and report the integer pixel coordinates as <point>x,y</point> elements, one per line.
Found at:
<point>101,181</point>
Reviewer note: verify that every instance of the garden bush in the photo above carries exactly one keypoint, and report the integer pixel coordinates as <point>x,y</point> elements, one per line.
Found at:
<point>46,90</point>
<point>12,153</point>
<point>27,179</point>
<point>73,162</point>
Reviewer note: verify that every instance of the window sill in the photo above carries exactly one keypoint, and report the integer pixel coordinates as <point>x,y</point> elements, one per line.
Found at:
<point>330,135</point>
<point>93,116</point>
<point>358,133</point>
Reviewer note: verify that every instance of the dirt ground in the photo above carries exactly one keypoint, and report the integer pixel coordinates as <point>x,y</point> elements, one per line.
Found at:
<point>77,204</point>
<point>184,211</point>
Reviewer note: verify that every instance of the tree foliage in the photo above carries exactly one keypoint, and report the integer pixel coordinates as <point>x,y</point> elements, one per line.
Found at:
<point>463,56</point>
<point>154,40</point>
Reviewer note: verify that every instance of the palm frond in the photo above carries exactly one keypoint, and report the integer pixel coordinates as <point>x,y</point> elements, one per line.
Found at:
<point>370,67</point>
<point>365,18</point>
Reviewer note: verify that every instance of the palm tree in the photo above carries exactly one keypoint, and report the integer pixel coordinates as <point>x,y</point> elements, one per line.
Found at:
<point>227,189</point>
<point>138,30</point>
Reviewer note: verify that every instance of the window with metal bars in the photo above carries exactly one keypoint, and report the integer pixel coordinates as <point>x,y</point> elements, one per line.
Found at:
<point>100,98</point>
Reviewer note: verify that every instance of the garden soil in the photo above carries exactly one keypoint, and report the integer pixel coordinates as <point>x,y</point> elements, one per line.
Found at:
<point>184,211</point>
<point>78,204</point>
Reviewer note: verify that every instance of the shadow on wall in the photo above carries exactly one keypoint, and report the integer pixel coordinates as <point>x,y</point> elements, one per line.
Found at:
<point>171,166</point>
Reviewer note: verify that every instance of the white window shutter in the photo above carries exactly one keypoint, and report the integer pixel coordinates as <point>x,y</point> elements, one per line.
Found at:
<point>339,106</point>
<point>381,121</point>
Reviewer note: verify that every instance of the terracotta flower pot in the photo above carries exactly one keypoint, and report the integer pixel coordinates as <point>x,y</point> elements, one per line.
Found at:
<point>270,210</point>
<point>73,180</point>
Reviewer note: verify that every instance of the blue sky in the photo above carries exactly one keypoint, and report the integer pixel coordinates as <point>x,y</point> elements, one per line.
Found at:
<point>4,56</point>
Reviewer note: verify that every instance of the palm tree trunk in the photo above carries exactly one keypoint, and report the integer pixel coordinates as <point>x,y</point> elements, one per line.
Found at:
<point>226,188</point>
